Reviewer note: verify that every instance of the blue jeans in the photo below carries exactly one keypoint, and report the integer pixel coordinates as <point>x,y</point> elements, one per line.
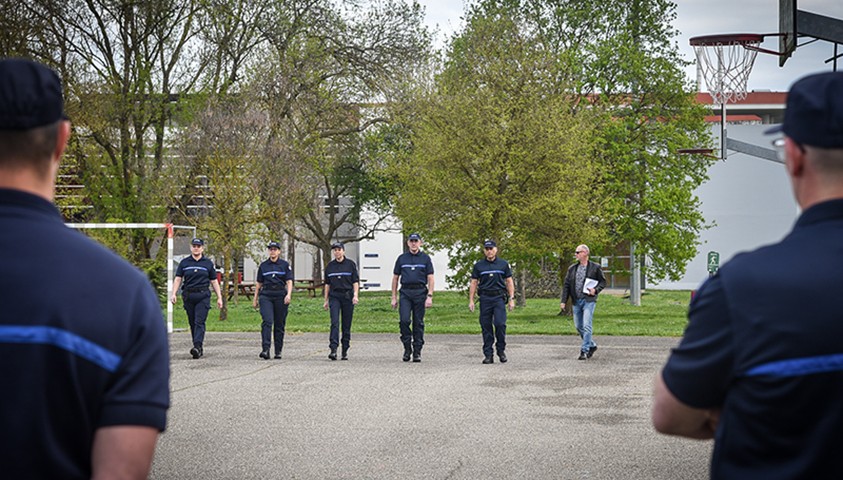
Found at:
<point>583,317</point>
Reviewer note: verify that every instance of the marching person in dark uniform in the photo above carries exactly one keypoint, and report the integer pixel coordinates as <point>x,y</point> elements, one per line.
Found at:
<point>198,273</point>
<point>273,288</point>
<point>415,271</point>
<point>492,279</point>
<point>342,286</point>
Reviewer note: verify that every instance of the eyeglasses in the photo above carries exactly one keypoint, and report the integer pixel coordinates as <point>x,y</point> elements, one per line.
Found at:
<point>778,146</point>
<point>414,240</point>
<point>488,248</point>
<point>579,252</point>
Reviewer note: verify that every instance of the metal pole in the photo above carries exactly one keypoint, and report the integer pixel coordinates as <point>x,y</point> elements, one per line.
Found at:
<point>723,130</point>
<point>635,278</point>
<point>169,278</point>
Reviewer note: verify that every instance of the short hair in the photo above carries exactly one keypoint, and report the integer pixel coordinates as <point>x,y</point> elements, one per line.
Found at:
<point>827,161</point>
<point>31,148</point>
<point>585,247</point>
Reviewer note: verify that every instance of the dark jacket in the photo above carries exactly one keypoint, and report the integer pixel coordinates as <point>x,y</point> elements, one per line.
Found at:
<point>592,270</point>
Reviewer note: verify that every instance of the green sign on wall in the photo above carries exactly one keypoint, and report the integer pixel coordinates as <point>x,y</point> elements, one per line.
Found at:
<point>713,262</point>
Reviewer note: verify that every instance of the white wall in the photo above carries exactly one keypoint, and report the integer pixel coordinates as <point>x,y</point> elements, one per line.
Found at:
<point>748,198</point>
<point>377,260</point>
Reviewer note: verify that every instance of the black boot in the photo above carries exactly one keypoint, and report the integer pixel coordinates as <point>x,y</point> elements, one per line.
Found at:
<point>333,354</point>
<point>407,352</point>
<point>264,354</point>
<point>344,353</point>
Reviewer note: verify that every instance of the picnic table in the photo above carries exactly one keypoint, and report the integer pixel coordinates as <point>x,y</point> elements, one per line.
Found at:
<point>246,289</point>
<point>308,285</point>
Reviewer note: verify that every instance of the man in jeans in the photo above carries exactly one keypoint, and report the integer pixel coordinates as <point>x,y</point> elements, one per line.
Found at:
<point>583,282</point>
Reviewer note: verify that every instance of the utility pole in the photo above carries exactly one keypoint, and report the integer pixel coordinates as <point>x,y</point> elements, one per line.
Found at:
<point>635,278</point>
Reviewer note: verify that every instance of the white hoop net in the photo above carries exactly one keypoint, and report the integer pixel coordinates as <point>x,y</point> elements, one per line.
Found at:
<point>725,66</point>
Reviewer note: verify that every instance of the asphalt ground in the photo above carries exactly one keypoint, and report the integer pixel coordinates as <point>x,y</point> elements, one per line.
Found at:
<point>542,415</point>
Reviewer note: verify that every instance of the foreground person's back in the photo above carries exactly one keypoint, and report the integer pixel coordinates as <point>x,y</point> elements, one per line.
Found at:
<point>83,349</point>
<point>760,368</point>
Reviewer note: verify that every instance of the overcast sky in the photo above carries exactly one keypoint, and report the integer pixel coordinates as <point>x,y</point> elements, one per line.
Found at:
<point>705,17</point>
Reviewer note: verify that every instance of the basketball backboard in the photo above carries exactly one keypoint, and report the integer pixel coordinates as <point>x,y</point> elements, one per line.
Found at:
<point>795,23</point>
<point>787,27</point>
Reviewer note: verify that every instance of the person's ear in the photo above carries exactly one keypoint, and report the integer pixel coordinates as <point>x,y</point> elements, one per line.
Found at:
<point>61,140</point>
<point>794,159</point>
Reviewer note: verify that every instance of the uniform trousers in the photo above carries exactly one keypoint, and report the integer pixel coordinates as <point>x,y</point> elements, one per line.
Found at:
<point>197,305</point>
<point>274,319</point>
<point>342,310</point>
<point>411,317</point>
<point>493,323</point>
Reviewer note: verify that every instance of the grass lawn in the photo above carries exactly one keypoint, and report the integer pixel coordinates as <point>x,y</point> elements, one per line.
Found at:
<point>662,313</point>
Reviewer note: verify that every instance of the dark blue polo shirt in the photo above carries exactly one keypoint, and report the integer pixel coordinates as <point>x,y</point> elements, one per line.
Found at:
<point>274,275</point>
<point>764,342</point>
<point>89,350</point>
<point>491,276</point>
<point>196,274</point>
<point>413,268</point>
<point>341,276</point>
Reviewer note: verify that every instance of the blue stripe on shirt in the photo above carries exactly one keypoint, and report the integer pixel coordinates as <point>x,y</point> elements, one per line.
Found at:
<point>799,366</point>
<point>276,272</point>
<point>413,266</point>
<point>63,339</point>
<point>339,274</point>
<point>492,271</point>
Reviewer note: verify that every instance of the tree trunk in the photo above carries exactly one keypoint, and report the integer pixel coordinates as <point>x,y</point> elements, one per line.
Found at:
<point>226,266</point>
<point>521,289</point>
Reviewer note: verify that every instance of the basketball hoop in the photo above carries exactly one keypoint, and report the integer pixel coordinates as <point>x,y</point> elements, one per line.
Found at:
<point>726,61</point>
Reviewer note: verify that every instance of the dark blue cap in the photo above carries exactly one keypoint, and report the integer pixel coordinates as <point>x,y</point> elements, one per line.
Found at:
<point>814,114</point>
<point>197,241</point>
<point>30,95</point>
<point>490,244</point>
<point>273,244</point>
<point>414,236</point>
<point>337,245</point>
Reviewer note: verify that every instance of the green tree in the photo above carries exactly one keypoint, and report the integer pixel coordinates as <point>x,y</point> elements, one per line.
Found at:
<point>499,151</point>
<point>650,186</point>
<point>124,64</point>
<point>220,141</point>
<point>590,93</point>
<point>620,55</point>
<point>325,76</point>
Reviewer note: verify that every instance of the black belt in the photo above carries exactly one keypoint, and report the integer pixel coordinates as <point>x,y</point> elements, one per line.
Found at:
<point>413,286</point>
<point>340,290</point>
<point>275,287</point>
<point>196,290</point>
<point>492,293</point>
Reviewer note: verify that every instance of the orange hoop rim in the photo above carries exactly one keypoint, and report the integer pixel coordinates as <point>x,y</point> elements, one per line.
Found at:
<point>727,39</point>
